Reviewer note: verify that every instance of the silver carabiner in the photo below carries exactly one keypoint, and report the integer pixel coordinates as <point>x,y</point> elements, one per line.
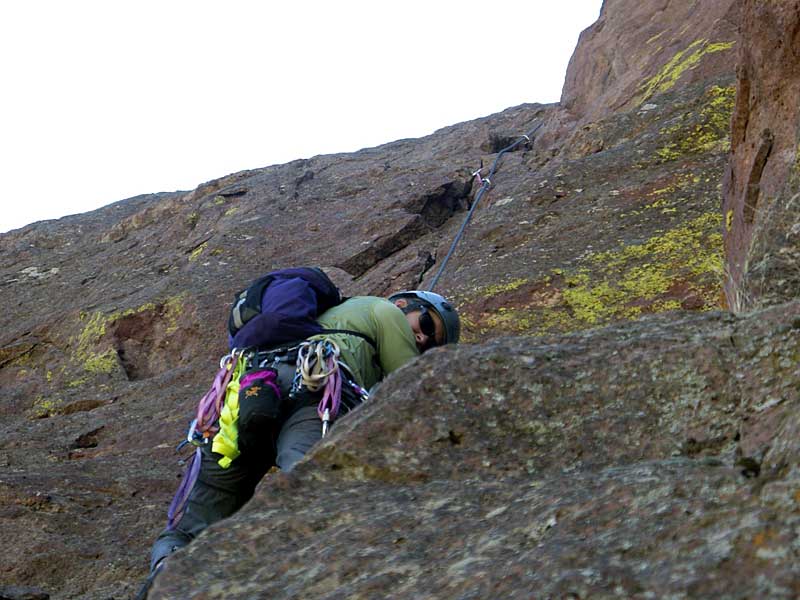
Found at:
<point>326,419</point>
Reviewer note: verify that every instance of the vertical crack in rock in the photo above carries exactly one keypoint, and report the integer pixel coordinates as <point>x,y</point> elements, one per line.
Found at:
<point>753,191</point>
<point>307,176</point>
<point>430,212</point>
<point>428,260</point>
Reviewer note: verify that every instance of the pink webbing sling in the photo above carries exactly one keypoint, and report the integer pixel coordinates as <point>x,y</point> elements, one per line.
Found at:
<point>201,430</point>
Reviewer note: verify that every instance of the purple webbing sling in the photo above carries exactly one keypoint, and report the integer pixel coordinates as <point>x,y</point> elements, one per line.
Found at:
<point>201,430</point>
<point>178,504</point>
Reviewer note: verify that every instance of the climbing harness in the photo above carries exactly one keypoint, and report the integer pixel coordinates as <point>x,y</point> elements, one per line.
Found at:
<point>318,369</point>
<point>485,183</point>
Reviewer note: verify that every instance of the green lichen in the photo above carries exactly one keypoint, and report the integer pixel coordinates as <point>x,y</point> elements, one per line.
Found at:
<point>623,283</point>
<point>591,303</point>
<point>696,246</point>
<point>197,252</point>
<point>92,360</point>
<point>88,347</point>
<point>635,275</point>
<point>670,199</point>
<point>655,37</point>
<point>100,363</point>
<point>684,60</point>
<point>708,133</point>
<point>502,288</point>
<point>173,308</point>
<point>45,407</point>
<point>797,160</point>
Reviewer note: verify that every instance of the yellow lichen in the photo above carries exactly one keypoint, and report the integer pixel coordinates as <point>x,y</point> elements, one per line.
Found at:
<point>590,303</point>
<point>45,407</point>
<point>494,290</point>
<point>103,362</point>
<point>97,361</point>
<point>197,252</point>
<point>76,383</point>
<point>622,283</point>
<point>797,160</point>
<point>684,60</point>
<point>665,190</point>
<point>709,134</point>
<point>173,309</point>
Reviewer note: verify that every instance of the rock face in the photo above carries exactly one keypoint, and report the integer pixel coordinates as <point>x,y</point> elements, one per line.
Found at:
<point>762,179</point>
<point>535,470</point>
<point>654,456</point>
<point>637,50</point>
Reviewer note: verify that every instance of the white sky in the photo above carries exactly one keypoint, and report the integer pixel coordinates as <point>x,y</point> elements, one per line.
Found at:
<point>104,100</point>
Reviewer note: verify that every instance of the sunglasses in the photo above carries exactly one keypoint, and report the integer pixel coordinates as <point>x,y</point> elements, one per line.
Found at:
<point>426,324</point>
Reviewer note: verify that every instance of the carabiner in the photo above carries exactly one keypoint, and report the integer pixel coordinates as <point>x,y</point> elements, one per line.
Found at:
<point>326,419</point>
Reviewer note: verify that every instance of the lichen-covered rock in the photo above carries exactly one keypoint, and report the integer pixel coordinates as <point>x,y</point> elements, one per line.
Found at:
<point>762,182</point>
<point>637,50</point>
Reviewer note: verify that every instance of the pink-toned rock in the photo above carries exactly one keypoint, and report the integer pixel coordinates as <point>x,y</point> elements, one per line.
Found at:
<point>762,233</point>
<point>637,50</point>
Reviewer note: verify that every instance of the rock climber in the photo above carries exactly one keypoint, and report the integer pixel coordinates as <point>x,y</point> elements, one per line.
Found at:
<point>375,337</point>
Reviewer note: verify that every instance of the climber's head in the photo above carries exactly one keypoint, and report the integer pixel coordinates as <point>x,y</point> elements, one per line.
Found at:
<point>433,320</point>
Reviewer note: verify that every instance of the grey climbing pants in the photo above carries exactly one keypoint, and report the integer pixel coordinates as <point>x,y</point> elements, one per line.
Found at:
<point>218,492</point>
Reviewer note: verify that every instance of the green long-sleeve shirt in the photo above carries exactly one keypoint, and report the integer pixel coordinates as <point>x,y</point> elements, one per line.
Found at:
<point>384,323</point>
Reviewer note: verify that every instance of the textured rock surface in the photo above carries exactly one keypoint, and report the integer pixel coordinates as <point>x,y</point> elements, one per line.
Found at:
<point>655,456</point>
<point>533,468</point>
<point>763,176</point>
<point>637,50</point>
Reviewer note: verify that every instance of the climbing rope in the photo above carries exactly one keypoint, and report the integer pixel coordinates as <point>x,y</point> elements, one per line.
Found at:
<point>485,183</point>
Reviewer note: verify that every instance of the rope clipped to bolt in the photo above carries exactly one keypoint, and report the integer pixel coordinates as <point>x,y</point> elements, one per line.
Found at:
<point>485,183</point>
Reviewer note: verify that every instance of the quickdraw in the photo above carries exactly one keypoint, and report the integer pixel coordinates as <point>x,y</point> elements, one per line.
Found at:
<point>317,368</point>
